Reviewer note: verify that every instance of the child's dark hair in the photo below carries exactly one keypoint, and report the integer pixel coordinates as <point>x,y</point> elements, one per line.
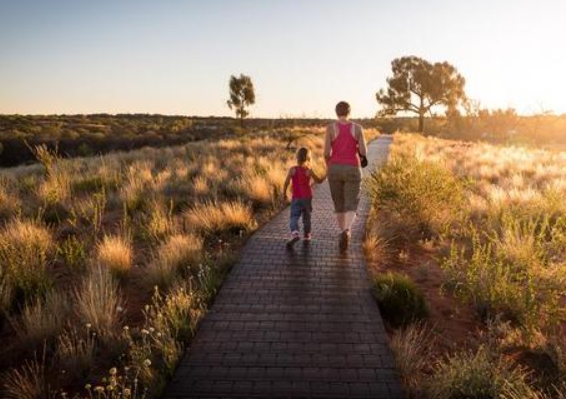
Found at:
<point>303,155</point>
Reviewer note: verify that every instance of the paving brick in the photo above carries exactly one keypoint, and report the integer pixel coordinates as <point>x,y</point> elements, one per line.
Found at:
<point>294,324</point>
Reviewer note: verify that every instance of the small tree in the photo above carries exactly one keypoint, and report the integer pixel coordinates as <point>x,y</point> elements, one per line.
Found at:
<point>418,86</point>
<point>242,95</point>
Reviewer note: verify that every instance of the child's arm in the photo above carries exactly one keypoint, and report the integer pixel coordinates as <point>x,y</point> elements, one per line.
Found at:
<point>316,177</point>
<point>287,181</point>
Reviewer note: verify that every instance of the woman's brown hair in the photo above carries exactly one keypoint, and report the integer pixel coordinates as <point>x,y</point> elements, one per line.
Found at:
<point>342,109</point>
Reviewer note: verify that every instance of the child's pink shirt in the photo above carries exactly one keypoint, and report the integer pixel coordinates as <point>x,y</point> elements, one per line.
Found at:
<point>301,187</point>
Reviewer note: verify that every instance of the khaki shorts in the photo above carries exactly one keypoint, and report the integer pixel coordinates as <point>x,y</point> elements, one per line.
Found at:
<point>345,186</point>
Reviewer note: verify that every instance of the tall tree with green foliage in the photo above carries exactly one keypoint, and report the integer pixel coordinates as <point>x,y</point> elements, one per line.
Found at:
<point>418,85</point>
<point>242,95</point>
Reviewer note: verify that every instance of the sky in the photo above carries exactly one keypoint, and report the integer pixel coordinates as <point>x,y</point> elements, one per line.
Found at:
<point>176,57</point>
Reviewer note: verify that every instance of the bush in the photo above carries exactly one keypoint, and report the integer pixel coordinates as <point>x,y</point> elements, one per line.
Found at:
<point>25,249</point>
<point>399,299</point>
<point>427,196</point>
<point>480,375</point>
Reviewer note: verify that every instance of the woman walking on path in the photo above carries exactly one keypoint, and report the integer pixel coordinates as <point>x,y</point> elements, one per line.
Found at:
<point>343,147</point>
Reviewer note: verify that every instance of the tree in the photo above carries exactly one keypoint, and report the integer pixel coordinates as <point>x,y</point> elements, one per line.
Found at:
<point>417,86</point>
<point>242,95</point>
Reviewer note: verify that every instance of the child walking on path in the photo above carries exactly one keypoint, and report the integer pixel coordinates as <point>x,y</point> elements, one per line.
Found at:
<point>300,177</point>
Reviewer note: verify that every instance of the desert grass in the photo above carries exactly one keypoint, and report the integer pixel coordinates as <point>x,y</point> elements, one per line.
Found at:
<point>26,382</point>
<point>505,255</point>
<point>98,303</point>
<point>10,203</point>
<point>75,351</point>
<point>173,202</point>
<point>42,320</point>
<point>479,374</point>
<point>503,251</point>
<point>217,218</point>
<point>425,195</point>
<point>177,253</point>
<point>26,248</point>
<point>412,348</point>
<point>115,253</point>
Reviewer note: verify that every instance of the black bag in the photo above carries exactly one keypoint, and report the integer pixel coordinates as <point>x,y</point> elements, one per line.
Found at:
<point>363,160</point>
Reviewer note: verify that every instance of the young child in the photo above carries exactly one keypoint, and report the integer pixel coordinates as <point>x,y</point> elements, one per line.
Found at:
<point>300,177</point>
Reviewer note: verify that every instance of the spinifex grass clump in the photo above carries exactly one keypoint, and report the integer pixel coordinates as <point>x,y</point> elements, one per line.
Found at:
<point>115,253</point>
<point>479,374</point>
<point>26,249</point>
<point>179,253</point>
<point>425,195</point>
<point>98,302</point>
<point>217,218</point>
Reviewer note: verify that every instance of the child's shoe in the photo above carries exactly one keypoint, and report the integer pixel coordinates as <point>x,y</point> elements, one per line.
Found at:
<point>295,236</point>
<point>307,237</point>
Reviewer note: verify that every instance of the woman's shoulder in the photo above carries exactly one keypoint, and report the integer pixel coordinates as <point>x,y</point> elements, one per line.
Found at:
<point>358,129</point>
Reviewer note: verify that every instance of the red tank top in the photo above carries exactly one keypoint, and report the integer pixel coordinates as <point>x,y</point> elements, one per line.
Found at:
<point>301,184</point>
<point>344,146</point>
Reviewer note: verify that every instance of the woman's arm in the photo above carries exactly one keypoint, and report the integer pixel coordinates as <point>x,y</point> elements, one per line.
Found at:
<point>328,143</point>
<point>361,141</point>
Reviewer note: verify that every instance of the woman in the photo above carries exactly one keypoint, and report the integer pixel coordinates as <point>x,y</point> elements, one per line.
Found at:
<point>344,145</point>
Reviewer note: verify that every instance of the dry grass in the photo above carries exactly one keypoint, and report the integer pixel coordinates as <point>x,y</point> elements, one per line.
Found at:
<point>412,350</point>
<point>178,252</point>
<point>98,302</point>
<point>26,382</point>
<point>76,352</point>
<point>115,253</point>
<point>10,203</point>
<point>42,320</point>
<point>506,254</point>
<point>169,200</point>
<point>217,218</point>
<point>25,251</point>
<point>479,374</point>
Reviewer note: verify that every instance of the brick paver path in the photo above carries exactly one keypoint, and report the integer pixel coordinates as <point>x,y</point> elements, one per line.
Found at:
<point>294,324</point>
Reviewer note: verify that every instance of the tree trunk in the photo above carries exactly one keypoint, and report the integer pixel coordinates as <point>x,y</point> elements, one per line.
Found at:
<point>421,115</point>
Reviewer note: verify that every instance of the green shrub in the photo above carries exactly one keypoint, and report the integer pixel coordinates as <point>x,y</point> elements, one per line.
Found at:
<point>401,302</point>
<point>73,253</point>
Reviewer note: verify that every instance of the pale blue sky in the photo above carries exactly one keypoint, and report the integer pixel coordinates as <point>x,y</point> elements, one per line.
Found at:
<point>176,56</point>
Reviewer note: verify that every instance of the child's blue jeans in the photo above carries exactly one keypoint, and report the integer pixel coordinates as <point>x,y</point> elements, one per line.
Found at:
<point>301,207</point>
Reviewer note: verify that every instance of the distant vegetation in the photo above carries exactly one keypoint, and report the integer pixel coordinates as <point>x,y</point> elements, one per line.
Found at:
<point>501,126</point>
<point>86,135</point>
